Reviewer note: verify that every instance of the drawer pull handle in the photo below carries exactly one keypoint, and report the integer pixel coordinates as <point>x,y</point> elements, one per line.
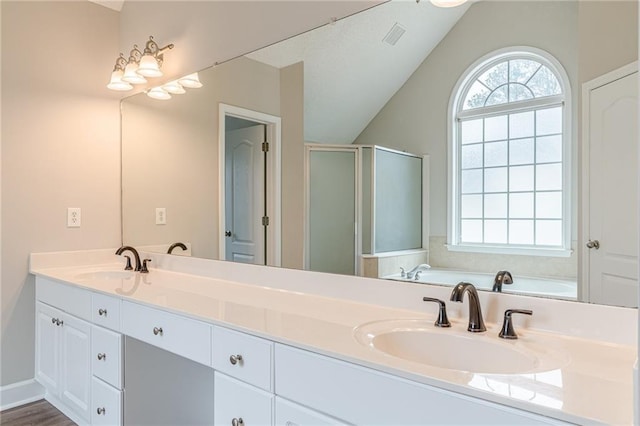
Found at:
<point>157,330</point>
<point>101,411</point>
<point>102,312</point>
<point>102,356</point>
<point>234,359</point>
<point>237,422</point>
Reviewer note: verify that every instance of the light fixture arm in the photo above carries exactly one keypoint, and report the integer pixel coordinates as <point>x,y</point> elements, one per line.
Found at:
<point>121,63</point>
<point>135,55</point>
<point>153,49</point>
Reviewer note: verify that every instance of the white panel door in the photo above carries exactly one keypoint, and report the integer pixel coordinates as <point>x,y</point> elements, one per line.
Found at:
<point>244,195</point>
<point>75,382</point>
<point>47,347</point>
<point>613,189</point>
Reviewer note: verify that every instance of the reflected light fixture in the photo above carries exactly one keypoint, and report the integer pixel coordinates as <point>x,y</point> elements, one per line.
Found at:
<point>140,65</point>
<point>447,3</point>
<point>174,87</point>
<point>159,93</point>
<point>116,82</point>
<point>192,81</point>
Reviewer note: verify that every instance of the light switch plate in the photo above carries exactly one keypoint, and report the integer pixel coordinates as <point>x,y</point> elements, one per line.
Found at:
<point>74,217</point>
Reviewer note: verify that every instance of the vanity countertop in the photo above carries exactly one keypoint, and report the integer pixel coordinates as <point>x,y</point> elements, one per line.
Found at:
<point>593,383</point>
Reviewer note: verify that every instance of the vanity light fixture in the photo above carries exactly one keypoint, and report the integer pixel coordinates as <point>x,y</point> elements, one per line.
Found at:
<point>140,65</point>
<point>159,93</point>
<point>116,82</point>
<point>152,59</point>
<point>192,81</point>
<point>131,74</point>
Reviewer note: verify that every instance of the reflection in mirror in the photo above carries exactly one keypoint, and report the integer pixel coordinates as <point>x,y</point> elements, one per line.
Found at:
<point>386,78</point>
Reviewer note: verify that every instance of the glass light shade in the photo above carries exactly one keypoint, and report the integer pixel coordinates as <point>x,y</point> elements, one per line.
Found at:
<point>116,82</point>
<point>174,87</point>
<point>448,3</point>
<point>159,93</point>
<point>192,81</point>
<point>149,67</point>
<point>131,76</point>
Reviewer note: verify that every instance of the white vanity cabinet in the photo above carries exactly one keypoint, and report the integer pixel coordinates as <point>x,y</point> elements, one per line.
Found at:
<point>359,395</point>
<point>239,404</point>
<point>63,344</point>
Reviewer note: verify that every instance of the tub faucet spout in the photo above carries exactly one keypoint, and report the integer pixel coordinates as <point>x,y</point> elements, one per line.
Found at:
<point>135,255</point>
<point>476,323</point>
<point>502,277</point>
<point>419,268</point>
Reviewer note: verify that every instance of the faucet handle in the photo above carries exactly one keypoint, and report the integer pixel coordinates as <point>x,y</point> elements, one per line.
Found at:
<point>144,269</point>
<point>128,267</point>
<point>507,331</point>
<point>442,320</point>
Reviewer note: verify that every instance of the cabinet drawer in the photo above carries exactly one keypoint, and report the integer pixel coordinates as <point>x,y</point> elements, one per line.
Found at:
<point>361,395</point>
<point>106,356</point>
<point>291,414</point>
<point>174,333</point>
<point>106,404</point>
<point>105,311</point>
<point>244,357</point>
<point>67,298</point>
<point>237,400</point>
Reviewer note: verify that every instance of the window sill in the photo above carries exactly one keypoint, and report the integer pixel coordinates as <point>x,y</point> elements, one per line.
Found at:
<point>510,250</point>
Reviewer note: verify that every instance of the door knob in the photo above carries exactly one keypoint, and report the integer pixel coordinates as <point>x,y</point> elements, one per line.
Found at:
<point>227,233</point>
<point>593,244</point>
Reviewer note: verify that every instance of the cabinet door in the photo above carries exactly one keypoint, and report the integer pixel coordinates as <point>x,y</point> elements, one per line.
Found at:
<point>239,404</point>
<point>47,347</point>
<point>75,356</point>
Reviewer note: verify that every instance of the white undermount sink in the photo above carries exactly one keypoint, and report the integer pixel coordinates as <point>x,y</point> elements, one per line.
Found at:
<point>105,274</point>
<point>456,349</point>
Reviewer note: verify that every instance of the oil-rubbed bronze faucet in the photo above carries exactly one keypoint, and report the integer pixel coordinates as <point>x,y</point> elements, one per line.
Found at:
<point>135,255</point>
<point>174,245</point>
<point>476,323</point>
<point>502,277</point>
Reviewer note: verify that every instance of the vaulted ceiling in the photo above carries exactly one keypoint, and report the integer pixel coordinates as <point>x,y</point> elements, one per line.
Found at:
<point>353,67</point>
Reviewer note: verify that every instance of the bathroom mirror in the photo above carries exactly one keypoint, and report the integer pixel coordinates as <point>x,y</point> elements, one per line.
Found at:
<point>334,86</point>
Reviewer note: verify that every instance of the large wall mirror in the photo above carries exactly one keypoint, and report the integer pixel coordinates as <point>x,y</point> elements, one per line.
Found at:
<point>358,116</point>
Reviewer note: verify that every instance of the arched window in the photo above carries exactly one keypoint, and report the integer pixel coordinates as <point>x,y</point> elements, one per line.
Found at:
<point>510,155</point>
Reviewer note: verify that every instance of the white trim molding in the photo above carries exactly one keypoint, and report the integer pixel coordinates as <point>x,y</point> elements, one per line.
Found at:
<point>20,393</point>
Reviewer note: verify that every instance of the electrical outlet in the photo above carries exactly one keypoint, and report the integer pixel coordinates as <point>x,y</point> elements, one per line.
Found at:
<point>161,216</point>
<point>74,217</point>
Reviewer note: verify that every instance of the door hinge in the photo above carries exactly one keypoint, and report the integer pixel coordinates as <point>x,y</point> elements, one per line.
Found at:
<point>265,146</point>
<point>265,221</point>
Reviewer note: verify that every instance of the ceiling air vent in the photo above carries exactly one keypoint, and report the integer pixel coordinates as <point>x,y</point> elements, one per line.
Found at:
<point>394,34</point>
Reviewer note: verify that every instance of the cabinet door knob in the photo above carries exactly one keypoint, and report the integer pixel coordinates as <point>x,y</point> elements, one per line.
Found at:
<point>102,356</point>
<point>237,421</point>
<point>157,330</point>
<point>234,359</point>
<point>102,312</point>
<point>101,411</point>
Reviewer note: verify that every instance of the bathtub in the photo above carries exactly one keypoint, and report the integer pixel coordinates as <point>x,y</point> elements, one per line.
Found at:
<point>532,286</point>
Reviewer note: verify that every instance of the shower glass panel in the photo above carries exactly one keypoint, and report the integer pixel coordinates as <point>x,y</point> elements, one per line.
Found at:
<point>332,211</point>
<point>398,201</point>
<point>366,154</point>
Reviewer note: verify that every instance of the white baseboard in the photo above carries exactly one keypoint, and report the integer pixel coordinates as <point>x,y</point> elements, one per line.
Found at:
<point>20,393</point>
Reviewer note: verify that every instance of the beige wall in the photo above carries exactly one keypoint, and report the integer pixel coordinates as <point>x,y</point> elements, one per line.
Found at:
<point>170,154</point>
<point>292,95</point>
<point>60,146</point>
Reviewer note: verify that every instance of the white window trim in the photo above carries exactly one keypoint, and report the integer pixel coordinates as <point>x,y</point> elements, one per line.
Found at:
<point>452,136</point>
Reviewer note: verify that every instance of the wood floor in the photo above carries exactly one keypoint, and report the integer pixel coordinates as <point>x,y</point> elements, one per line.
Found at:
<point>39,413</point>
